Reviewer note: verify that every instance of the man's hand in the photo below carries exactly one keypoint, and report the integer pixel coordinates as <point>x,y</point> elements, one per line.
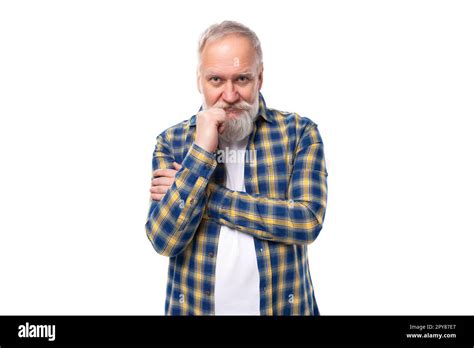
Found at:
<point>208,126</point>
<point>162,181</point>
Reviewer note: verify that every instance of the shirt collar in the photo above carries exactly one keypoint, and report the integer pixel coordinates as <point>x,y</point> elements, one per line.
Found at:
<point>262,111</point>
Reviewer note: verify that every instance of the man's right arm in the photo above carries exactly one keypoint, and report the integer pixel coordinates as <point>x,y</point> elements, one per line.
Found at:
<point>173,221</point>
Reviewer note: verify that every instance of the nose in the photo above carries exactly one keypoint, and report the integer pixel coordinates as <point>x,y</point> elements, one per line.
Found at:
<point>230,95</point>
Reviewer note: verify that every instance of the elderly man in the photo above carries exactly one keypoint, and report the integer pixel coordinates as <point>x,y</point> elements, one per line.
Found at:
<point>236,227</point>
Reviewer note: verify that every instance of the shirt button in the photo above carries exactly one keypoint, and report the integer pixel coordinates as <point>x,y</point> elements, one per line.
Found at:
<point>191,200</point>
<point>264,289</point>
<point>261,250</point>
<point>211,254</point>
<point>208,293</point>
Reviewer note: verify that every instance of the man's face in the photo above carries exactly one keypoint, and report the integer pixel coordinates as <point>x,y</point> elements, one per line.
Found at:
<point>230,75</point>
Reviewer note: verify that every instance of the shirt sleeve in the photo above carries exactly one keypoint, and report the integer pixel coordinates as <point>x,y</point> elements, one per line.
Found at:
<point>296,220</point>
<point>173,221</point>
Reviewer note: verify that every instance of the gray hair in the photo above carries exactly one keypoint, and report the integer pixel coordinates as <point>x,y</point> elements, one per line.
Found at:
<point>216,31</point>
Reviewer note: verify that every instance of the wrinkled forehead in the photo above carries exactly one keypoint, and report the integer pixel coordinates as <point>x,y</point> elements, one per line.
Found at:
<point>232,54</point>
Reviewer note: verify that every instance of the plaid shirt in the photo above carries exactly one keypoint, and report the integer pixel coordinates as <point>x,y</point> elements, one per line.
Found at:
<point>283,208</point>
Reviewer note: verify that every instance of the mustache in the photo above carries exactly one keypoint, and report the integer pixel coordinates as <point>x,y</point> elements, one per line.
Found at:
<point>241,105</point>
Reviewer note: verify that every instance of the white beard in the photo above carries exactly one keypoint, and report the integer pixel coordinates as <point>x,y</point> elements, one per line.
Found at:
<point>240,127</point>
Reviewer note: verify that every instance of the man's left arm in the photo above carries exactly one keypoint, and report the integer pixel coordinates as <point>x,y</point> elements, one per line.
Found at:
<point>297,220</point>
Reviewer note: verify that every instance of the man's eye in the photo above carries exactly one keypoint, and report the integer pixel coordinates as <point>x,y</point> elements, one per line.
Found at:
<point>243,78</point>
<point>215,79</point>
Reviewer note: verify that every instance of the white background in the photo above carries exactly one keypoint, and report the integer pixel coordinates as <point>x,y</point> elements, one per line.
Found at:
<point>86,86</point>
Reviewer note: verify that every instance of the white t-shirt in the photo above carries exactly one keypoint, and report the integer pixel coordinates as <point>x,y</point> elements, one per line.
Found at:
<point>237,289</point>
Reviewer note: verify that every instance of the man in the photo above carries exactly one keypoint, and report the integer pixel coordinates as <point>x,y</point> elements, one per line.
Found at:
<point>236,227</point>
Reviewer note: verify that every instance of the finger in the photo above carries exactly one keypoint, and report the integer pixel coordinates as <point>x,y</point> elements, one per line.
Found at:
<point>157,181</point>
<point>157,196</point>
<point>162,189</point>
<point>162,180</point>
<point>177,166</point>
<point>164,172</point>
<point>159,189</point>
<point>221,116</point>
<point>221,128</point>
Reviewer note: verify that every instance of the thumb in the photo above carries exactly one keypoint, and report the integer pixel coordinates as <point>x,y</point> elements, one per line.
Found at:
<point>177,166</point>
<point>221,128</point>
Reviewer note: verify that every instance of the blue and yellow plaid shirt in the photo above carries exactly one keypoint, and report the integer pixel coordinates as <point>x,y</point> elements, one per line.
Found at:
<point>283,208</point>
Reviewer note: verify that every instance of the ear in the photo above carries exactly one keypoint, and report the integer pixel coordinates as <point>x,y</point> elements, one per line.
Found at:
<point>260,77</point>
<point>198,80</point>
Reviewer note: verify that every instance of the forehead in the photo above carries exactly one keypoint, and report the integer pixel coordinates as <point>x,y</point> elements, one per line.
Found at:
<point>230,54</point>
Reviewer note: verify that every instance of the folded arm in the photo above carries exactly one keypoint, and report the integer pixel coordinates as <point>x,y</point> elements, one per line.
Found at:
<point>296,220</point>
<point>173,220</point>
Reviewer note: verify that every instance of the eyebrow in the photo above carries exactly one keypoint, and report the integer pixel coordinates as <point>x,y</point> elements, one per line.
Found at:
<point>245,73</point>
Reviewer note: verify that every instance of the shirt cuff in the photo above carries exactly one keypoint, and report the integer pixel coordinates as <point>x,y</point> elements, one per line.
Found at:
<point>218,200</point>
<point>200,161</point>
